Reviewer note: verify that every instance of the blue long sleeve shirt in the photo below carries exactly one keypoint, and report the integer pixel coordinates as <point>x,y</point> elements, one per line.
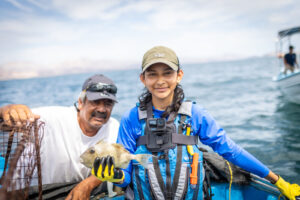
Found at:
<point>203,125</point>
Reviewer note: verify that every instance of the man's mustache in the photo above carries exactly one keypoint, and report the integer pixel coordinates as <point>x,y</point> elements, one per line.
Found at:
<point>99,114</point>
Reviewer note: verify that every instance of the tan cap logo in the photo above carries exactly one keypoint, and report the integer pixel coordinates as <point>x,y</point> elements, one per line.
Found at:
<point>159,55</point>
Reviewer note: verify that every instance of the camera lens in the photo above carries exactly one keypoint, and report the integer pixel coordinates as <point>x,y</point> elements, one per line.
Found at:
<point>160,122</point>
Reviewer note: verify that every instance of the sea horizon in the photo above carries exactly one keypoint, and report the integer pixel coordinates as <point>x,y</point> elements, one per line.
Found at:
<point>115,66</point>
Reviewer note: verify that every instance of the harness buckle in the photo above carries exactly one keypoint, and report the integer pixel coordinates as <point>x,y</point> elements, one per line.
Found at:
<point>159,140</point>
<point>162,157</point>
<point>183,124</point>
<point>159,134</point>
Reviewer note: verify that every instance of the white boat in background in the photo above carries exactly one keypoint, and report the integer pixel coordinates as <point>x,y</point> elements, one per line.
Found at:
<point>289,83</point>
<point>290,86</point>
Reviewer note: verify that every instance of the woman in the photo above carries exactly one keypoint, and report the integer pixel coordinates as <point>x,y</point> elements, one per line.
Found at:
<point>165,126</point>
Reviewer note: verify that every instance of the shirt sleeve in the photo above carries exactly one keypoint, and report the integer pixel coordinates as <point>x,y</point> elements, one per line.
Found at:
<point>128,134</point>
<point>211,134</point>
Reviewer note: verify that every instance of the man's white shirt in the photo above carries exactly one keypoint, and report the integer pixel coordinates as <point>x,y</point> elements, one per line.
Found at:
<point>63,142</point>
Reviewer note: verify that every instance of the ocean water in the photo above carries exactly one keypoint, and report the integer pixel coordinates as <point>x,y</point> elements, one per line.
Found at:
<point>239,94</point>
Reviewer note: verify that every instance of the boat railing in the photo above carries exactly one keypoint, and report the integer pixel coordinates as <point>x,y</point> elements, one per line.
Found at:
<point>263,184</point>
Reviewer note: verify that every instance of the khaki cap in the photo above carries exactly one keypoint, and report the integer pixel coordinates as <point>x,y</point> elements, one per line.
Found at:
<point>160,54</point>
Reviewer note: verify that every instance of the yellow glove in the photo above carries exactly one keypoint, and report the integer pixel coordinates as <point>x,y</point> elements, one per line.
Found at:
<point>104,169</point>
<point>291,191</point>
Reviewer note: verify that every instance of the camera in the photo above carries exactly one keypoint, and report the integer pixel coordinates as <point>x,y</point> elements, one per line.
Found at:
<point>159,134</point>
<point>157,126</point>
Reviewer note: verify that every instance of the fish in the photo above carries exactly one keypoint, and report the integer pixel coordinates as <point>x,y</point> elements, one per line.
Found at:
<point>121,156</point>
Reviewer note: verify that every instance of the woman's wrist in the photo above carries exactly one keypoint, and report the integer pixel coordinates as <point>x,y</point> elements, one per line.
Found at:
<point>272,177</point>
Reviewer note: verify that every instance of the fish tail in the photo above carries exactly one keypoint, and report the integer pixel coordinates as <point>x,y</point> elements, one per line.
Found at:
<point>143,159</point>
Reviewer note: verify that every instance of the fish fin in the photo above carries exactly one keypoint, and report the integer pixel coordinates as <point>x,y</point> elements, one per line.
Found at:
<point>119,148</point>
<point>117,145</point>
<point>143,159</point>
<point>100,141</point>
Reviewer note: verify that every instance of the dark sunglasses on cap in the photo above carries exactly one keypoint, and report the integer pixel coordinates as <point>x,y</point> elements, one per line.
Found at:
<point>101,87</point>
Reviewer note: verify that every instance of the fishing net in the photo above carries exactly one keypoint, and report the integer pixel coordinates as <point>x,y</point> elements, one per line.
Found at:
<point>19,158</point>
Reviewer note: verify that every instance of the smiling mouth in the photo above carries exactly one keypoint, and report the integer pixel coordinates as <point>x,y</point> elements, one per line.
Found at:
<point>161,89</point>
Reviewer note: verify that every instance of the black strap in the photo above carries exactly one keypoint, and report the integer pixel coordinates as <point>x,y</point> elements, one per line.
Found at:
<point>171,117</point>
<point>184,139</point>
<point>158,174</point>
<point>149,110</point>
<point>142,140</point>
<point>206,184</point>
<point>186,183</point>
<point>177,169</point>
<point>176,139</point>
<point>205,188</point>
<point>138,182</point>
<point>210,194</point>
<point>168,178</point>
<point>179,157</point>
<point>195,195</point>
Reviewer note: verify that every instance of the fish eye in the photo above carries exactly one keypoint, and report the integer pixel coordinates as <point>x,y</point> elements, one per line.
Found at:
<point>92,151</point>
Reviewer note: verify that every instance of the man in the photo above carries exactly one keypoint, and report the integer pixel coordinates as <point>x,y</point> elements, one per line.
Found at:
<point>290,59</point>
<point>69,131</point>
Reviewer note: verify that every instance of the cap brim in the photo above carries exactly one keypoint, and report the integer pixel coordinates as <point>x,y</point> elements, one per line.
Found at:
<point>92,96</point>
<point>170,64</point>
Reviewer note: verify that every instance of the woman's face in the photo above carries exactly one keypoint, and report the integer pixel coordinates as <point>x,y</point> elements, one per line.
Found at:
<point>161,81</point>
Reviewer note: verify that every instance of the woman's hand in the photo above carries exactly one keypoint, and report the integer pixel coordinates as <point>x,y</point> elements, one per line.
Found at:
<point>291,191</point>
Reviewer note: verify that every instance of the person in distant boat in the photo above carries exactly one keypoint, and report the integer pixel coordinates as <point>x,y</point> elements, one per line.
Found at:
<point>69,131</point>
<point>167,127</point>
<point>290,61</point>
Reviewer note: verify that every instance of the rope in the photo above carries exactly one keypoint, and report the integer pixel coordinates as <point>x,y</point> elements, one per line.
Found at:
<point>230,171</point>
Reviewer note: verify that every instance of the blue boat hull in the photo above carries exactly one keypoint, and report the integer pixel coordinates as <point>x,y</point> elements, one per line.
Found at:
<point>242,192</point>
<point>258,189</point>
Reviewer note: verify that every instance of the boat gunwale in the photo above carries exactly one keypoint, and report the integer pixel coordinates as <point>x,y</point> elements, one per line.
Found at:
<point>287,77</point>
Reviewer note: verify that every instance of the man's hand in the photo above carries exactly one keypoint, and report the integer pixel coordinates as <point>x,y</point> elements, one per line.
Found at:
<point>104,169</point>
<point>17,115</point>
<point>83,190</point>
<point>291,191</point>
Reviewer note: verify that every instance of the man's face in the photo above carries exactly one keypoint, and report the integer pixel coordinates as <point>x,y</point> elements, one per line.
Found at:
<point>93,114</point>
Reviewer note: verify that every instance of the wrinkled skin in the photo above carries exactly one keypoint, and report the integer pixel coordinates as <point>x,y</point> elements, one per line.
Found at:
<point>93,114</point>
<point>17,115</point>
<point>83,190</point>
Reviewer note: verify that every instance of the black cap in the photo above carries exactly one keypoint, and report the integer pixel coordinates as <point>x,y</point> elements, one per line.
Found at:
<point>99,87</point>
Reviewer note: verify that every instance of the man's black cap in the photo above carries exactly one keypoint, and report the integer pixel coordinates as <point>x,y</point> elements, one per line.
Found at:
<point>95,94</point>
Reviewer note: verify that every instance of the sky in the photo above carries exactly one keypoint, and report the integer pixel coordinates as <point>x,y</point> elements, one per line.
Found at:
<point>53,37</point>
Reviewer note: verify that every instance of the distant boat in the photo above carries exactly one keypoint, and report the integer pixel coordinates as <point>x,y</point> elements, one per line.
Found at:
<point>289,84</point>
